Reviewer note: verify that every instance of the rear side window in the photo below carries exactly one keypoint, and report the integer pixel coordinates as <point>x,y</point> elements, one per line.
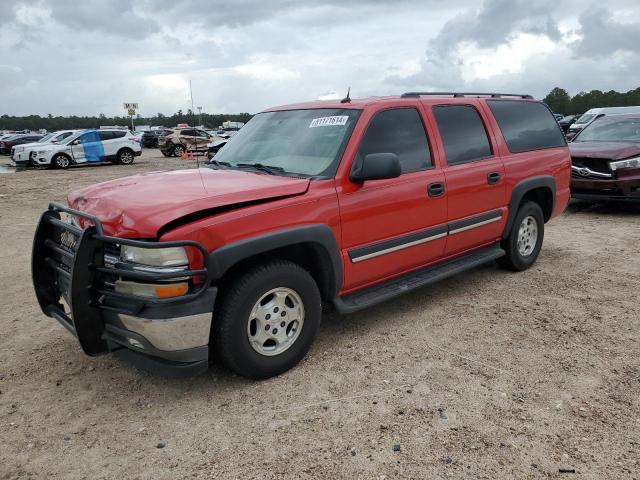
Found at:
<point>105,135</point>
<point>463,133</point>
<point>398,131</point>
<point>118,134</point>
<point>526,125</point>
<point>188,133</point>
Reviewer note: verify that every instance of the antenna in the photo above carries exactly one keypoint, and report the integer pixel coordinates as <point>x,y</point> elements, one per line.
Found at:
<point>347,99</point>
<point>193,120</point>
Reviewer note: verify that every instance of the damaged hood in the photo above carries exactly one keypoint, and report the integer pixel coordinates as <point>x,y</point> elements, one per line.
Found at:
<point>605,150</point>
<point>138,206</point>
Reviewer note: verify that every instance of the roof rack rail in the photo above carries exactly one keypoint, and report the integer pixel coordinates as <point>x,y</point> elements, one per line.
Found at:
<point>465,94</point>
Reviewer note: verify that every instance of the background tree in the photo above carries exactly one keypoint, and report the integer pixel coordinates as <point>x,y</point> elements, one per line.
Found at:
<point>558,100</point>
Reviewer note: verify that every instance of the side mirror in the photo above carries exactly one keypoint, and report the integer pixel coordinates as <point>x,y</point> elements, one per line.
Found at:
<point>376,166</point>
<point>75,142</point>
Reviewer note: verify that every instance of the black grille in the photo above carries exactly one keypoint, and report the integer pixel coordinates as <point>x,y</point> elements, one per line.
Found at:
<point>600,165</point>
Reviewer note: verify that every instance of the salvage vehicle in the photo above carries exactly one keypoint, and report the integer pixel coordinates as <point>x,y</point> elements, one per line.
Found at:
<point>8,143</point>
<point>184,139</point>
<point>21,154</point>
<point>89,146</point>
<point>332,203</point>
<point>605,160</point>
<point>150,137</point>
<point>566,122</point>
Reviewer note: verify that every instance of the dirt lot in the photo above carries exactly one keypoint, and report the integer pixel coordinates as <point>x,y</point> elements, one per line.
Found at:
<point>486,375</point>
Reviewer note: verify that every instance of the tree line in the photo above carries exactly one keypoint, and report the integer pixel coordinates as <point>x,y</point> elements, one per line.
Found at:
<point>560,101</point>
<point>51,123</point>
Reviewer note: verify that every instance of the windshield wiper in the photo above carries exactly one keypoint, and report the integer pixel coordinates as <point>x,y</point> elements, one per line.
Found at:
<point>216,163</point>
<point>262,167</point>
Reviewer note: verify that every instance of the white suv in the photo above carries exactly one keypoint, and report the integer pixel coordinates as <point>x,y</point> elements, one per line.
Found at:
<point>89,146</point>
<point>20,154</point>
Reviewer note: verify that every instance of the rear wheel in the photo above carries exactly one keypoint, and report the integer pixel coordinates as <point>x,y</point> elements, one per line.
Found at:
<point>61,161</point>
<point>525,239</point>
<point>125,157</point>
<point>267,319</point>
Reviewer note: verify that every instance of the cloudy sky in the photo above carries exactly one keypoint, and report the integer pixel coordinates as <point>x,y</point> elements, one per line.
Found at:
<point>88,56</point>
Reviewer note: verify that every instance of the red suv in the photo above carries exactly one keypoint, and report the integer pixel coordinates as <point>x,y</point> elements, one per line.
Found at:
<point>346,203</point>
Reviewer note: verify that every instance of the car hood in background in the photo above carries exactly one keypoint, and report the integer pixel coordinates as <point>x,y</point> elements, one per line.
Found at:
<point>607,150</point>
<point>140,205</point>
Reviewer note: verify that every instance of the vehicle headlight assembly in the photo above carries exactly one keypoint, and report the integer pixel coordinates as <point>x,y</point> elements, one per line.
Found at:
<point>155,257</point>
<point>628,163</point>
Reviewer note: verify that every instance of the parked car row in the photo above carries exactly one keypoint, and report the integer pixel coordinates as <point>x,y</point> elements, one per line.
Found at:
<point>69,147</point>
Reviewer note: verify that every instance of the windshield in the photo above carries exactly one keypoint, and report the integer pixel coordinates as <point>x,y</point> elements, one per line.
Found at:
<point>300,142</point>
<point>622,130</point>
<point>586,118</point>
<point>45,138</point>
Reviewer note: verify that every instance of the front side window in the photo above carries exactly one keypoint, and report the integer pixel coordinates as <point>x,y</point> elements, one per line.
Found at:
<point>526,126</point>
<point>300,142</point>
<point>399,131</point>
<point>188,133</point>
<point>463,133</point>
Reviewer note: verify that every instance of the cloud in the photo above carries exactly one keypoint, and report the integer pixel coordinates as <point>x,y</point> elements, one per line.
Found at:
<point>602,36</point>
<point>87,57</point>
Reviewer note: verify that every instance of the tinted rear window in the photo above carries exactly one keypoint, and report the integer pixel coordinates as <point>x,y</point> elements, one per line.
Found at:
<point>463,133</point>
<point>526,125</point>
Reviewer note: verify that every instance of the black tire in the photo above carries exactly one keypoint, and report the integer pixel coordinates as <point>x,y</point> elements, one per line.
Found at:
<point>166,154</point>
<point>61,160</point>
<point>230,331</point>
<point>177,150</point>
<point>516,260</point>
<point>125,156</point>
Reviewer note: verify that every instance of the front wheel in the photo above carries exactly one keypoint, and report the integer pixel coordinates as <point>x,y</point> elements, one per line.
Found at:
<point>177,150</point>
<point>524,242</point>
<point>267,319</point>
<point>61,161</point>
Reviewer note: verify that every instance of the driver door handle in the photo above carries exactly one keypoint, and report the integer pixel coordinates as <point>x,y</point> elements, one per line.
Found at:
<point>493,178</point>
<point>435,189</point>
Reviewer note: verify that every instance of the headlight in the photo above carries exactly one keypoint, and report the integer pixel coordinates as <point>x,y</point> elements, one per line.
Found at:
<point>628,163</point>
<point>157,257</point>
<point>42,152</point>
<point>18,149</point>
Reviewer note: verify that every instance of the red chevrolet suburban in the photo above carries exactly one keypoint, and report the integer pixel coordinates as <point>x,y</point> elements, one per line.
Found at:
<point>345,203</point>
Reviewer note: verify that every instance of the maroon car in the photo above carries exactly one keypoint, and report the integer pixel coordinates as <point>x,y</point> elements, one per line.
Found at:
<point>9,142</point>
<point>605,160</point>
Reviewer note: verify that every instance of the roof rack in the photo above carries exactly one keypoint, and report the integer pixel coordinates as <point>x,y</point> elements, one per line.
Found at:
<point>465,94</point>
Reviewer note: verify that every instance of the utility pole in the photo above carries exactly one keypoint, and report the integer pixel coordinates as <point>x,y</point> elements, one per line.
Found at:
<point>200,115</point>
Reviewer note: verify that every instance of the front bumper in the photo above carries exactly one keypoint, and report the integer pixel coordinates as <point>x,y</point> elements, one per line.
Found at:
<point>624,187</point>
<point>73,284</point>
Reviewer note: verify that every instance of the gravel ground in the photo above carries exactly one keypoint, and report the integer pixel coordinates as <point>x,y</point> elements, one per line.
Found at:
<point>487,375</point>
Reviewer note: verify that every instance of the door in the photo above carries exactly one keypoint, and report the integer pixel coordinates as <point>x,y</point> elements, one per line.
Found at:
<point>189,138</point>
<point>87,148</point>
<point>202,139</point>
<point>474,173</point>
<point>393,225</point>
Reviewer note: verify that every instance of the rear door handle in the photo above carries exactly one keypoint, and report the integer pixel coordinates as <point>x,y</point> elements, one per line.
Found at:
<point>435,189</point>
<point>493,178</point>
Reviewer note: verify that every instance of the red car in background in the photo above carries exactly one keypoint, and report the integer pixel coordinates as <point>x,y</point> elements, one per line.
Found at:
<point>605,160</point>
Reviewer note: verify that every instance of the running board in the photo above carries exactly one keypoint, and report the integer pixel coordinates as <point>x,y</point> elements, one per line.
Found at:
<point>397,286</point>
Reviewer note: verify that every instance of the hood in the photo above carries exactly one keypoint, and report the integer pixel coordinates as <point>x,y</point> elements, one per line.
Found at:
<point>606,150</point>
<point>138,206</point>
<point>33,144</point>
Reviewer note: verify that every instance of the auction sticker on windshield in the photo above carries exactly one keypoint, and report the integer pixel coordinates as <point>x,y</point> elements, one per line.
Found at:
<point>328,121</point>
